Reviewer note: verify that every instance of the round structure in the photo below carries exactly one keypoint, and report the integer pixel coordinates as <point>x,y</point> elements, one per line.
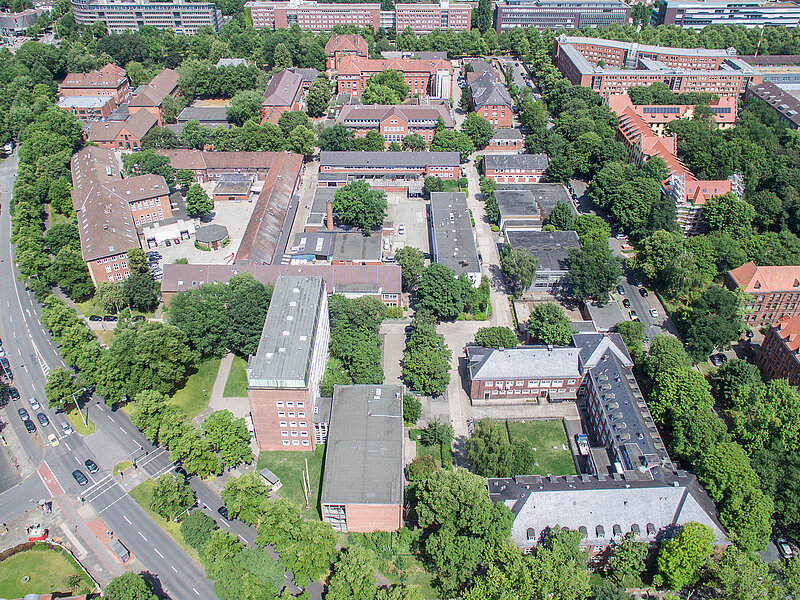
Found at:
<point>212,237</point>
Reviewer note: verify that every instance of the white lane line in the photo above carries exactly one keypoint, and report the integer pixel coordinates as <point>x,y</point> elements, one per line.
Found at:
<point>126,518</point>
<point>195,591</point>
<point>159,553</point>
<point>241,538</point>
<point>110,505</point>
<point>173,568</point>
<point>77,460</point>
<point>68,448</point>
<point>142,536</point>
<point>33,386</point>
<point>224,523</point>
<point>112,418</point>
<point>121,429</point>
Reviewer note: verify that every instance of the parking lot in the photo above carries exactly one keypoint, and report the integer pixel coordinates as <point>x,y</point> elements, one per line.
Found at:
<point>411,213</point>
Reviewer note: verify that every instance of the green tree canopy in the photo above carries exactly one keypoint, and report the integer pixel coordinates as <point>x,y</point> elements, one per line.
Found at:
<point>198,203</point>
<point>593,271</point>
<point>129,586</point>
<point>412,262</point>
<point>681,556</point>
<point>357,205</point>
<point>496,337</point>
<point>171,496</point>
<point>229,437</point>
<point>519,265</point>
<point>479,130</point>
<point>549,325</point>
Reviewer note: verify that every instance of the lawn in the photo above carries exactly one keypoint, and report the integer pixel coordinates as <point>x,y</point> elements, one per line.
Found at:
<point>190,398</point>
<point>48,570</point>
<point>107,335</point>
<point>143,493</point>
<point>553,456</point>
<point>55,217</point>
<point>289,465</point>
<point>236,386</point>
<point>77,422</point>
<point>439,454</point>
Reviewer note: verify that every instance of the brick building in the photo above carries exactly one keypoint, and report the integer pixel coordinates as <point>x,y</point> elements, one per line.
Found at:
<point>151,98</point>
<point>625,65</point>
<point>286,92</point>
<point>313,16</point>
<point>110,81</point>
<point>424,18</point>
<point>515,168</point>
<point>283,376</point>
<point>210,166</point>
<point>510,140</point>
<point>559,14</point>
<point>658,116</point>
<point>391,165</point>
<point>362,489</point>
<point>779,354</point>
<point>341,45</point>
<point>490,99</point>
<point>697,14</point>
<point>88,108</point>
<point>426,77</point>
<point>395,122</point>
<point>771,293</point>
<point>183,18</point>
<point>125,135</point>
<point>785,105</point>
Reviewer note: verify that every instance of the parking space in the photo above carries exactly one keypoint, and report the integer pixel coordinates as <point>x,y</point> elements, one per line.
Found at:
<point>411,213</point>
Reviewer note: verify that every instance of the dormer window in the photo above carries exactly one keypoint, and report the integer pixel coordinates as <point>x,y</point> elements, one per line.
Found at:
<point>757,285</point>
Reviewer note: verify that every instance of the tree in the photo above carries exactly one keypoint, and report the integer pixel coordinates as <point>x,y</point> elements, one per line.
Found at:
<point>335,138</point>
<point>681,556</point>
<point>412,262</point>
<point>71,274</point>
<point>245,105</point>
<point>479,130</point>
<point>60,236</point>
<point>426,362</point>
<point>319,95</point>
<point>666,353</point>
<point>195,452</point>
<point>246,497</point>
<point>728,214</point>
<point>147,161</point>
<point>290,120</point>
<point>733,376</point>
<point>483,16</point>
<point>302,141</point>
<point>677,392</point>
<point>357,205</point>
<point>496,337</point>
<point>386,87</point>
<point>196,528</point>
<point>627,558</point>
<point>137,261</point>
<point>171,496</point>
<point>593,271</point>
<point>414,141</point>
<point>519,265</point>
<point>150,408</point>
<point>743,576</point>
<point>448,140</point>
<point>549,325</point>
<point>632,333</point>
<point>160,138</point>
<point>60,387</point>
<point>141,292</point>
<point>608,589</point>
<point>591,228</point>
<point>436,433</point>
<point>281,57</point>
<point>184,177</point>
<point>465,99</point>
<point>353,576</point>
<point>229,437</point>
<point>489,450</point>
<point>561,217</point>
<point>129,586</point>
<point>198,203</point>
<point>412,408</point>
<point>58,194</point>
<point>441,293</point>
<point>372,141</point>
<point>713,320</point>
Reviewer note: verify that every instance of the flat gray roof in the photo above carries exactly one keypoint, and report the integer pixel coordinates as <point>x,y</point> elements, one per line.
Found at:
<point>523,362</point>
<point>356,247</point>
<point>546,196</point>
<point>389,159</point>
<point>605,316</point>
<point>516,161</point>
<point>551,248</point>
<point>364,451</point>
<point>453,240</point>
<point>283,358</point>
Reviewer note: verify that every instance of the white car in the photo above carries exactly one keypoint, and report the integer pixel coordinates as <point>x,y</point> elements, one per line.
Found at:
<point>654,313</point>
<point>34,403</point>
<point>401,230</point>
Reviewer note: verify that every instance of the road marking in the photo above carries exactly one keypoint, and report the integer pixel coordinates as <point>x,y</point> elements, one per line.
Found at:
<point>33,386</point>
<point>112,504</point>
<point>121,429</point>
<point>96,484</point>
<point>224,523</point>
<point>129,523</point>
<point>68,448</point>
<point>195,591</point>
<point>142,536</point>
<point>173,568</point>
<point>77,460</point>
<point>159,553</point>
<point>241,538</point>
<point>112,418</point>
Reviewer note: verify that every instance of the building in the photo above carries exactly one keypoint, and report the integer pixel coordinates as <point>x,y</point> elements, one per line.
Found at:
<point>425,18</point>
<point>356,249</point>
<point>212,166</point>
<point>395,122</point>
<point>509,140</point>
<point>362,489</point>
<point>696,14</point>
<point>212,236</point>
<point>524,207</point>
<point>390,168</point>
<point>382,282</point>
<point>551,249</point>
<point>233,187</point>
<point>286,92</point>
<point>772,293</point>
<point>785,105</point>
<point>207,116</point>
<point>109,82</point>
<point>559,14</point>
<point>150,98</point>
<point>610,67</point>
<point>341,45</point>
<point>658,116</point>
<point>452,238</point>
<point>112,211</point>
<point>232,62</point>
<point>515,168</point>
<point>17,23</point>
<point>425,77</point>
<point>283,376</point>
<point>490,99</point>
<point>126,135</point>
<point>523,374</point>
<point>779,354</point>
<point>88,108</point>
<point>184,18</point>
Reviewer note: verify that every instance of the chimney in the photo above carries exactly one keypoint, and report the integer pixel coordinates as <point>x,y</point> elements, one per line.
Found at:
<point>329,208</point>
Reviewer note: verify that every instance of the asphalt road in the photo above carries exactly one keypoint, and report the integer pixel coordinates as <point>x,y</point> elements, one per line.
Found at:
<point>31,354</point>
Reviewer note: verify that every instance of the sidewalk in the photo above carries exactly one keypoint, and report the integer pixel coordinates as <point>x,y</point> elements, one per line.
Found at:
<point>238,406</point>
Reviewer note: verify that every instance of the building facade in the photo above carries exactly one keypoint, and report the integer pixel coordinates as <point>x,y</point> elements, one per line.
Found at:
<point>779,354</point>
<point>119,15</point>
<point>490,99</point>
<point>283,376</point>
<point>697,14</point>
<point>425,77</point>
<point>393,165</point>
<point>515,168</point>
<point>551,249</point>
<point>124,135</point>
<point>109,82</point>
<point>559,14</point>
<point>286,92</point>
<point>88,108</point>
<point>395,122</point>
<point>425,18</point>
<point>771,293</point>
<point>341,45</point>
<point>510,140</point>
<point>785,105</point>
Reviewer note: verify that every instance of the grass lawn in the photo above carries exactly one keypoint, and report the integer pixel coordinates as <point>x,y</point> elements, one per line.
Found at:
<point>289,466</point>
<point>89,308</point>
<point>106,335</point>
<point>143,493</point>
<point>190,398</point>
<point>236,386</point>
<point>553,456</point>
<point>125,464</point>
<point>47,569</point>
<point>55,217</point>
<point>77,423</point>
<point>450,185</point>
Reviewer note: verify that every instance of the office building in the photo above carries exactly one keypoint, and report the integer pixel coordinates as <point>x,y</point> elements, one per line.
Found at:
<point>697,14</point>
<point>283,376</point>
<point>771,292</point>
<point>559,14</point>
<point>425,18</point>
<point>779,354</point>
<point>490,99</point>
<point>515,168</point>
<point>551,249</point>
<point>183,18</point>
<point>125,135</point>
<point>391,166</point>
<point>339,46</point>
<point>395,122</point>
<point>362,490</point>
<point>425,77</point>
<point>109,82</point>
<point>452,238</point>
<point>658,116</point>
<point>17,23</point>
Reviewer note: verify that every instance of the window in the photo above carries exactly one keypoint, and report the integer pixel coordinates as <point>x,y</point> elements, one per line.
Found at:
<point>283,423</point>
<point>301,415</point>
<point>290,404</point>
<point>305,442</point>
<point>295,443</point>
<point>285,442</point>
<point>281,414</point>
<point>303,434</point>
<point>291,414</point>
<point>303,424</point>
<point>285,433</point>
<point>301,404</point>
<point>279,404</point>
<point>294,434</point>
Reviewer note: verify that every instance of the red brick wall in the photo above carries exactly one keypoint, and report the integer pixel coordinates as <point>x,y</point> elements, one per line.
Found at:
<point>157,208</point>
<point>506,145</point>
<point>115,267</point>
<point>501,117</point>
<point>266,406</point>
<point>478,389</point>
<point>363,518</point>
<point>526,177</point>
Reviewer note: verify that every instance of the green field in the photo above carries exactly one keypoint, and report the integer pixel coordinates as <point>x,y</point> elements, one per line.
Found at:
<point>236,385</point>
<point>549,439</point>
<point>77,423</point>
<point>289,466</point>
<point>190,398</point>
<point>142,494</point>
<point>48,571</point>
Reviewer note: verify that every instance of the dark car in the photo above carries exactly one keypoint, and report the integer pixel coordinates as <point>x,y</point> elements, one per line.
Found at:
<point>749,335</point>
<point>716,360</point>
<point>110,318</point>
<point>626,303</point>
<point>43,420</point>
<point>5,368</point>
<point>30,426</point>
<point>167,242</point>
<point>23,414</point>
<point>14,393</point>
<point>80,477</point>
<point>182,472</point>
<point>620,290</point>
<point>95,318</point>
<point>138,318</point>
<point>223,512</point>
<point>91,466</point>
<point>643,292</point>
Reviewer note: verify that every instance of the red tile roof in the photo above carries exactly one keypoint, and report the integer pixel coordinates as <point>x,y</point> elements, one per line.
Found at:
<point>356,65</point>
<point>767,279</point>
<point>110,76</point>
<point>350,42</point>
<point>788,329</point>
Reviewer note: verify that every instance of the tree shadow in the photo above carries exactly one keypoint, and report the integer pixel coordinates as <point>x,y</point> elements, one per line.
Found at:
<point>155,584</point>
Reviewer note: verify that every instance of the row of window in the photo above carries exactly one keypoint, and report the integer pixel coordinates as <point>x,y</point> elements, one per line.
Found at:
<point>531,383</point>
<point>294,433</point>
<point>280,404</point>
<point>149,217</point>
<point>296,443</point>
<point>302,415</point>
<point>293,424</point>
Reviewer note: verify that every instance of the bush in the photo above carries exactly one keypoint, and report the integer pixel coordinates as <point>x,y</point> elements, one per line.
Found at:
<point>196,529</point>
<point>412,409</point>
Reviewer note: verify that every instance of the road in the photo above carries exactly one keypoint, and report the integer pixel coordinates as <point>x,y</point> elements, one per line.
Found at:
<point>32,354</point>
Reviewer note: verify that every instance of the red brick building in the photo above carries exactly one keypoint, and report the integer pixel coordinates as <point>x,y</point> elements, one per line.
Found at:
<point>490,99</point>
<point>341,45</point>
<point>394,165</point>
<point>424,18</point>
<point>398,121</point>
<point>110,82</point>
<point>312,15</point>
<point>511,140</point>
<point>125,135</point>
<point>515,168</point>
<point>779,355</point>
<point>771,293</point>
<point>426,77</point>
<point>151,98</point>
<point>286,92</point>
<point>210,166</point>
<point>283,376</point>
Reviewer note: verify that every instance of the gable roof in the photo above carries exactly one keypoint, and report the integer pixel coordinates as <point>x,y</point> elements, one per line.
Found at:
<point>137,125</point>
<point>766,279</point>
<point>160,86</point>
<point>110,76</point>
<point>523,362</point>
<point>488,91</point>
<point>356,65</point>
<point>286,86</point>
<point>788,329</point>
<point>593,346</point>
<point>408,112</point>
<point>350,42</point>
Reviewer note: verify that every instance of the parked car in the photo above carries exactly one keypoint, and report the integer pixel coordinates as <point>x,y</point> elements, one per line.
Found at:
<point>95,318</point>
<point>626,303</point>
<point>654,313</point>
<point>5,368</point>
<point>784,548</point>
<point>14,393</point>
<point>30,426</point>
<point>110,318</point>
<point>223,512</point>
<point>91,466</point>
<point>643,292</point>
<point>715,360</point>
<point>43,420</point>
<point>167,243</point>
<point>620,290</point>
<point>80,477</point>
<point>138,318</point>
<point>65,427</point>
<point>177,240</point>
<point>633,315</point>
<point>23,414</point>
<point>2,351</point>
<point>621,236</point>
<point>401,230</point>
<point>52,440</point>
<point>749,335</point>
<point>34,403</point>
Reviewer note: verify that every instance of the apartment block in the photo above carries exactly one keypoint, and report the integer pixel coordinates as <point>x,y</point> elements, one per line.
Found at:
<point>395,122</point>
<point>515,168</point>
<point>771,292</point>
<point>490,99</point>
<point>125,135</point>
<point>339,46</point>
<point>88,108</point>
<point>394,165</point>
<point>184,18</point>
<point>559,14</point>
<point>109,82</point>
<point>658,116</point>
<point>779,354</point>
<point>283,376</point>
<point>425,77</point>
<point>424,18</point>
<point>610,67</point>
<point>785,105</point>
<point>697,14</point>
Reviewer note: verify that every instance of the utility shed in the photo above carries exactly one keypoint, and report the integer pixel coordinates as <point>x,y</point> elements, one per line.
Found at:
<point>362,489</point>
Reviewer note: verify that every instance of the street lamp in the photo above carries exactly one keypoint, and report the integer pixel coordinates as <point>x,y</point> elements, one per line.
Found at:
<point>80,412</point>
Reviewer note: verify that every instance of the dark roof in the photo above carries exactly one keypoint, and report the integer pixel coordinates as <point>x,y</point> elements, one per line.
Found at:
<point>545,195</point>
<point>204,114</point>
<point>364,450</point>
<point>488,91</point>
<point>137,125</point>
<point>233,183</point>
<point>352,115</point>
<point>286,86</point>
<point>356,247</point>
<point>507,134</point>
<point>551,248</point>
<point>389,159</point>
<point>319,243</point>
<point>453,238</point>
<point>211,233</point>
<point>782,102</point>
<point>160,86</point>
<point>528,162</point>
